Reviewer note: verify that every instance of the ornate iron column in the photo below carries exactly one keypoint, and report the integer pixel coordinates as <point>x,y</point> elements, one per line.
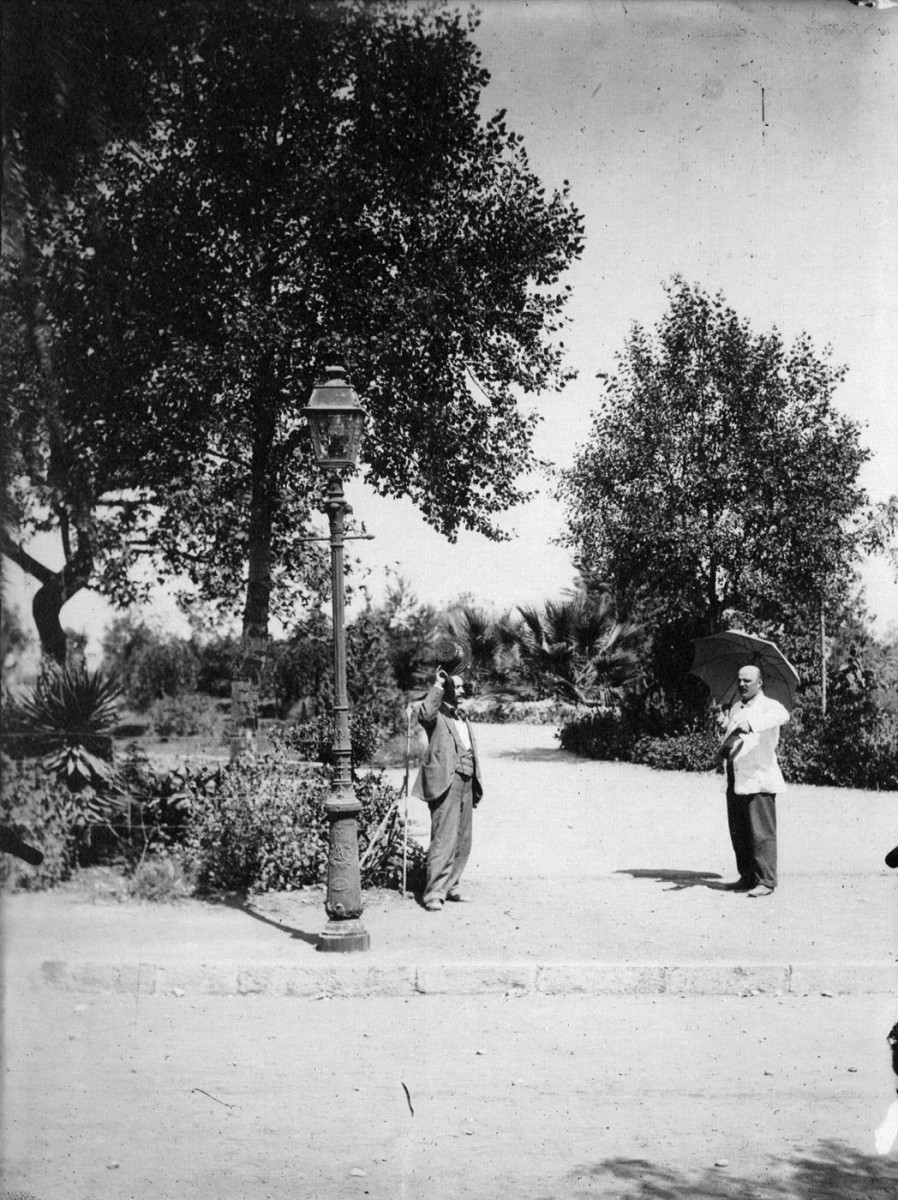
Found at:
<point>336,421</point>
<point>344,931</point>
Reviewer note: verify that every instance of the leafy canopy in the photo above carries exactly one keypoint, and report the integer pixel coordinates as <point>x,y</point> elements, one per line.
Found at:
<point>718,475</point>
<point>314,182</point>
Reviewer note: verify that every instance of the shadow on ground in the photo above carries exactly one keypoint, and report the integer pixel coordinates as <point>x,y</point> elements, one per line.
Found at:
<point>831,1171</point>
<point>298,934</point>
<point>553,754</point>
<point>680,879</point>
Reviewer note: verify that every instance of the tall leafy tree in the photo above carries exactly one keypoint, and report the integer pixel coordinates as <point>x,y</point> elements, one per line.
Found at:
<point>315,183</point>
<point>719,481</point>
<point>74,75</point>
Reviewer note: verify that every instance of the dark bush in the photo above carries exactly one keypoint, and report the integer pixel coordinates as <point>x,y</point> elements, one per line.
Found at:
<point>158,802</point>
<point>312,741</point>
<point>160,877</point>
<point>162,667</point>
<point>43,814</point>
<point>260,824</point>
<point>680,752</point>
<point>595,733</point>
<point>215,665</point>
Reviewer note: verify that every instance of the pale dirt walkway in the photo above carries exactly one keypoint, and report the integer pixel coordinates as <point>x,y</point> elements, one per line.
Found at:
<point>189,1096</point>
<point>573,861</point>
<point>532,1098</point>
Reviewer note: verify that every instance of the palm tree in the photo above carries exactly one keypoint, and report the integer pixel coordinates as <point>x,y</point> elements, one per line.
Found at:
<point>486,639</point>
<point>579,650</point>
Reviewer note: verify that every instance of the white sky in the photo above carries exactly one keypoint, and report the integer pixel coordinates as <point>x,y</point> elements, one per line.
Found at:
<point>652,110</point>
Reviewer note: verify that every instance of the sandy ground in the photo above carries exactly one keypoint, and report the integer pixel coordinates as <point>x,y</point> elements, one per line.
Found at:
<point>544,1097</point>
<point>225,1098</point>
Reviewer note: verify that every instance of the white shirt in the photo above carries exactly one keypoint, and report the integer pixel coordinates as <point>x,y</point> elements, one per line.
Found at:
<point>755,768</point>
<point>462,732</point>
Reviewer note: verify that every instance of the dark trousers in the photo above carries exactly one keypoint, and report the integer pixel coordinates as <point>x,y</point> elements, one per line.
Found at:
<point>752,820</point>
<point>451,825</point>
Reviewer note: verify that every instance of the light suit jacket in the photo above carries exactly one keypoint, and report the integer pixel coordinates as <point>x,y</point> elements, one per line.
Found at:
<point>755,768</point>
<point>443,750</point>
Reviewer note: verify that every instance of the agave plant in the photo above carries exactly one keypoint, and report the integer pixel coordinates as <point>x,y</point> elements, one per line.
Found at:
<point>73,709</point>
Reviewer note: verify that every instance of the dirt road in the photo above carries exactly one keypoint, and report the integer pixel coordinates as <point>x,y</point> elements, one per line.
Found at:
<point>252,1098</point>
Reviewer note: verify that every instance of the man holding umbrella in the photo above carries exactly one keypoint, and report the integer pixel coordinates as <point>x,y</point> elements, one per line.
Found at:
<point>750,726</point>
<point>751,734</point>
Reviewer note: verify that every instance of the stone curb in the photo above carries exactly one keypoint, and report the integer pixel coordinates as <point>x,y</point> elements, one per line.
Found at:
<point>354,978</point>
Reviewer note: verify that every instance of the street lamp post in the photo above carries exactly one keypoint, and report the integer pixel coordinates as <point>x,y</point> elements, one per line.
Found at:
<point>337,420</point>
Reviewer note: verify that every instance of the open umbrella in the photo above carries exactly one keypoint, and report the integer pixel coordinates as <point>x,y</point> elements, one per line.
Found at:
<point>719,657</point>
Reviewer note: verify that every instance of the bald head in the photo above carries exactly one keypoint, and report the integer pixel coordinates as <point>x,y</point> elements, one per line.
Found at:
<point>749,681</point>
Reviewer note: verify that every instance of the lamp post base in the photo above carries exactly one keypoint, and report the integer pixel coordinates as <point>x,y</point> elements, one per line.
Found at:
<point>343,937</point>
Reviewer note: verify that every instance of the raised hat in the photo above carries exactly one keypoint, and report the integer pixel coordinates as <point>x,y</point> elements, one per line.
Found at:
<point>452,655</point>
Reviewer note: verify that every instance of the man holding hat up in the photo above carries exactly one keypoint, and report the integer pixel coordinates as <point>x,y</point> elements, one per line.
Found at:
<point>449,779</point>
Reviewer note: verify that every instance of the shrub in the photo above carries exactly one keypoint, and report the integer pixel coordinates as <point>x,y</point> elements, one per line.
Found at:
<point>158,802</point>
<point>598,733</point>
<point>259,823</point>
<point>215,665</point>
<point>313,740</point>
<point>162,667</point>
<point>160,877</point>
<point>679,752</point>
<point>43,814</point>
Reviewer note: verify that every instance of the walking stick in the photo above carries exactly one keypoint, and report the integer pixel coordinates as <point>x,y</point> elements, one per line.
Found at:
<point>408,751</point>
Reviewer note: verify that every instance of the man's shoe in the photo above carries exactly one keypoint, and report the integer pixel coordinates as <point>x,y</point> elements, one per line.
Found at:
<point>740,885</point>
<point>434,905</point>
<point>757,892</point>
<point>457,898</point>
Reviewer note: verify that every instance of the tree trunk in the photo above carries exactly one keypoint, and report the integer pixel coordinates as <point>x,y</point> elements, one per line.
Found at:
<point>57,588</point>
<point>246,682</point>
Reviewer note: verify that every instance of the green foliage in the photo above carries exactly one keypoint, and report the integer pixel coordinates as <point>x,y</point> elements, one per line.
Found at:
<point>410,629</point>
<point>215,659</point>
<point>486,638</point>
<point>44,815</point>
<point>158,801</point>
<point>298,168</point>
<point>302,672</point>
<point>598,734</point>
<point>260,824</point>
<point>383,865</point>
<point>370,682</point>
<point>854,745</point>
<point>72,710</point>
<point>161,878</point>
<point>578,650</point>
<point>151,664</point>
<point>313,740</point>
<point>165,667</point>
<point>679,752</point>
<point>73,702</point>
<point>718,475</point>
<point>302,669</point>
